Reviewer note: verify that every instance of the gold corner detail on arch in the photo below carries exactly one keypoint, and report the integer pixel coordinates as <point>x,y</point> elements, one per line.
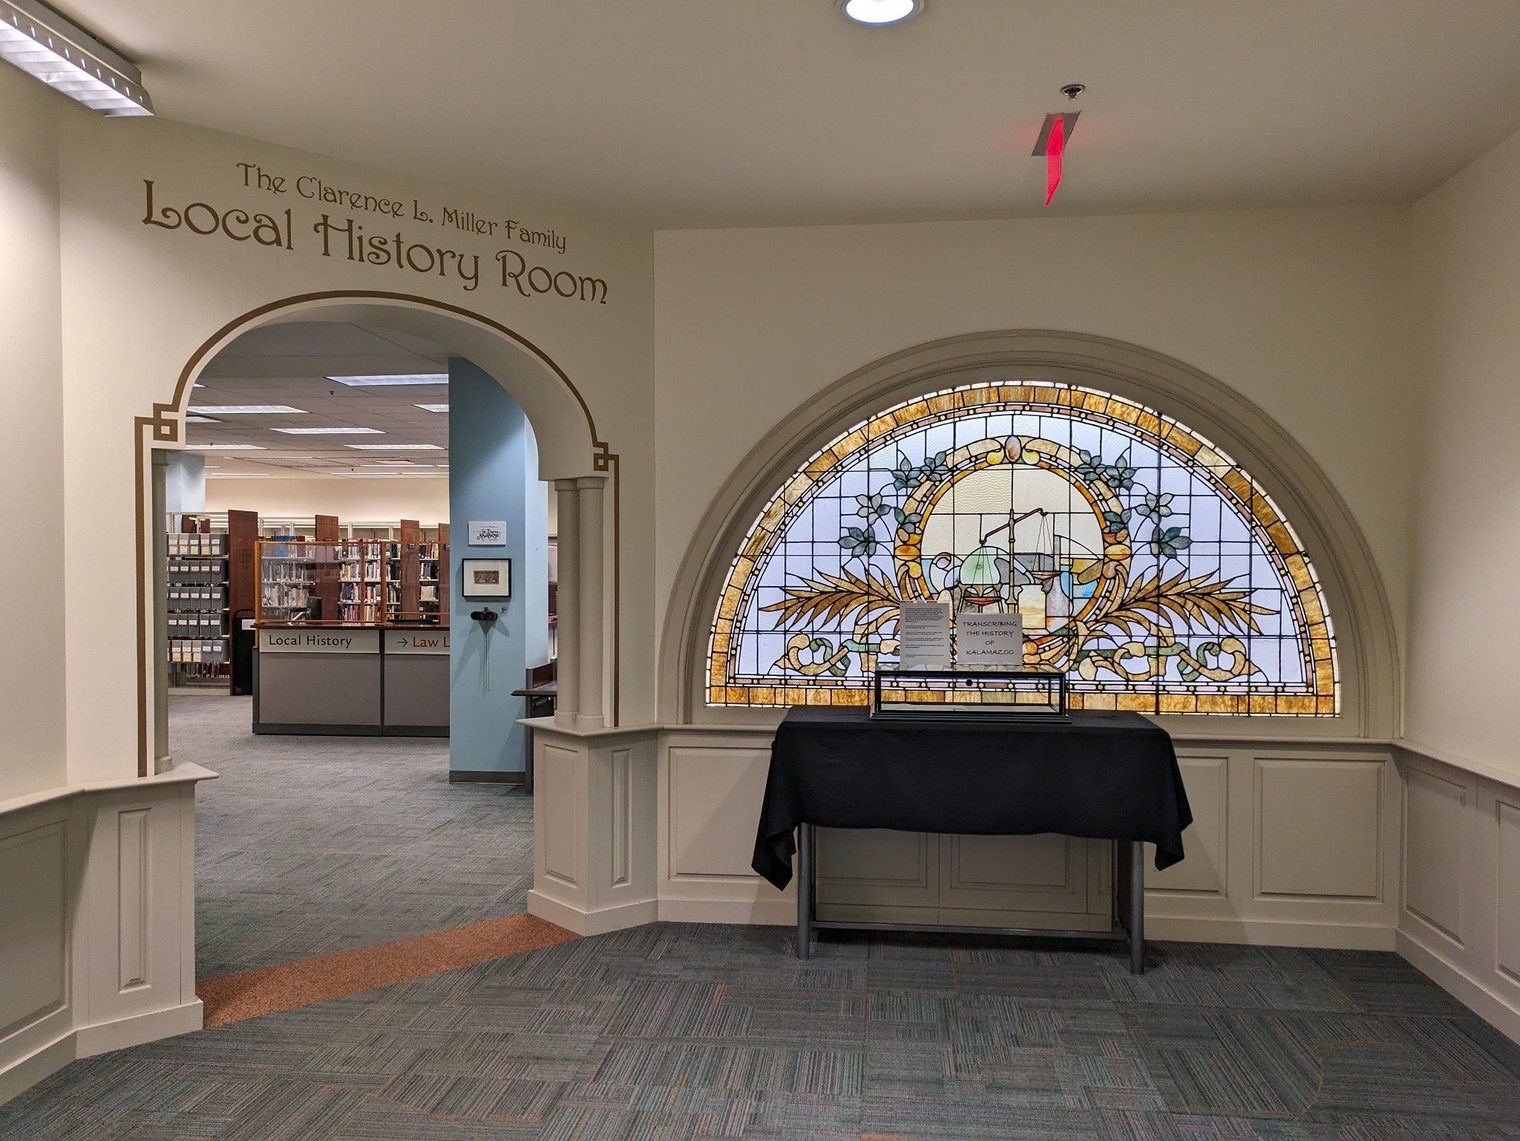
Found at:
<point>163,428</point>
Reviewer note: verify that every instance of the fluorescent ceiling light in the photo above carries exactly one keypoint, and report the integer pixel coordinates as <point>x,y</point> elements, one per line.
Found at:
<point>201,420</point>
<point>396,447</point>
<point>329,431</point>
<point>394,473</point>
<point>237,475</point>
<point>392,379</point>
<point>432,407</point>
<point>878,13</point>
<point>245,409</point>
<point>397,463</point>
<point>68,59</point>
<point>228,448</point>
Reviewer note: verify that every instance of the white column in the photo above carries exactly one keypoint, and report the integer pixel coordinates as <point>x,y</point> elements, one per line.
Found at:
<point>589,714</point>
<point>568,634</point>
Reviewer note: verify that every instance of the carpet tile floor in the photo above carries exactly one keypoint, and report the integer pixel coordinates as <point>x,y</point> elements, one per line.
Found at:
<point>677,1032</point>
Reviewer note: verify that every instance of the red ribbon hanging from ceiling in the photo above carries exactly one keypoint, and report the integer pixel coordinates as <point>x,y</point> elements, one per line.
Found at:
<point>1055,147</point>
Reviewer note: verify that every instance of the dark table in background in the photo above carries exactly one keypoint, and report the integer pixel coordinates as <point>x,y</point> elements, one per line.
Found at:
<point>541,698</point>
<point>1104,776</point>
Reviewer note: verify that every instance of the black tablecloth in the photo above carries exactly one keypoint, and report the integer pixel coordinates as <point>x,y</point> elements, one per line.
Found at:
<point>1108,776</point>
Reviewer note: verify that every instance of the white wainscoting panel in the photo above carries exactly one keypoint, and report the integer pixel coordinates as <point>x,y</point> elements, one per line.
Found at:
<point>1460,915</point>
<point>34,904</point>
<point>1507,881</point>
<point>593,827</point>
<point>96,922</point>
<point>1436,815</point>
<point>712,793</point>
<point>557,810</point>
<point>1319,824</point>
<point>1290,844</point>
<point>711,782</point>
<point>1206,776</point>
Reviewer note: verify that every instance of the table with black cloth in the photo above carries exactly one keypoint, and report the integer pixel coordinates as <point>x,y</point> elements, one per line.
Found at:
<point>1101,775</point>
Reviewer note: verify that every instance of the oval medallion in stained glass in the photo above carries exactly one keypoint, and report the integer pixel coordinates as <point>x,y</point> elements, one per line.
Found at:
<point>1144,563</point>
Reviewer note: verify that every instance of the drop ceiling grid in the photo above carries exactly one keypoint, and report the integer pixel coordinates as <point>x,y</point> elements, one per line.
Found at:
<point>290,364</point>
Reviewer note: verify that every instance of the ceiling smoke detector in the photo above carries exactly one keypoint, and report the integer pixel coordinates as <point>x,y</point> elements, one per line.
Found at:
<point>879,13</point>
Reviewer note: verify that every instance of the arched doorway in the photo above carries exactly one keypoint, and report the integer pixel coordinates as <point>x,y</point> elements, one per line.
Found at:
<point>572,455</point>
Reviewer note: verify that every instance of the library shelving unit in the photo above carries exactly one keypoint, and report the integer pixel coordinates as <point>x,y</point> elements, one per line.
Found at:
<point>208,579</point>
<point>197,606</point>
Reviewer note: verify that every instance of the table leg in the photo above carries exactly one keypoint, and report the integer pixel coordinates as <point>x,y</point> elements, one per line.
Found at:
<point>1136,907</point>
<point>804,891</point>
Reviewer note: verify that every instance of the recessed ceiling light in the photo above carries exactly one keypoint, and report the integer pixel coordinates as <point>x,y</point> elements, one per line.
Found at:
<point>879,13</point>
<point>392,379</point>
<point>396,447</point>
<point>432,407</point>
<point>201,420</point>
<point>237,475</point>
<point>395,463</point>
<point>247,410</point>
<point>329,431</point>
<point>228,448</point>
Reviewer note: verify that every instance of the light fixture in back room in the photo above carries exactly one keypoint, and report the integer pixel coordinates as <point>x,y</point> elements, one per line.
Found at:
<point>392,380</point>
<point>246,410</point>
<point>330,431</point>
<point>396,447</point>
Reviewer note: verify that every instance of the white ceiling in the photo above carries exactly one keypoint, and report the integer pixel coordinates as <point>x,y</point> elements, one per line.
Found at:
<point>289,365</point>
<point>688,113</point>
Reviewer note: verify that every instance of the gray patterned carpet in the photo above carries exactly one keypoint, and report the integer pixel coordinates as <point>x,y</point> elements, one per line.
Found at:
<point>681,1032</point>
<point>308,845</point>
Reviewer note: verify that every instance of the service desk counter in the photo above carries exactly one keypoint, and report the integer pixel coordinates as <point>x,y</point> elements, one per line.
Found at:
<point>361,681</point>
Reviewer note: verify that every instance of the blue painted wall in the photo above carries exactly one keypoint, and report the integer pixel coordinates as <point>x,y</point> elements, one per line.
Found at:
<point>493,475</point>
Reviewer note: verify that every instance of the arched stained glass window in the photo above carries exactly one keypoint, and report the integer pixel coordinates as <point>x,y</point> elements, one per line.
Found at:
<point>1145,563</point>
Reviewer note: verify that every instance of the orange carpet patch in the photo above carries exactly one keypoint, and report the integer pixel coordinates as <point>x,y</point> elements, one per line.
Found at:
<point>233,998</point>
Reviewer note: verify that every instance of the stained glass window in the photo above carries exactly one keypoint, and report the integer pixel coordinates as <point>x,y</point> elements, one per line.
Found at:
<point>1145,563</point>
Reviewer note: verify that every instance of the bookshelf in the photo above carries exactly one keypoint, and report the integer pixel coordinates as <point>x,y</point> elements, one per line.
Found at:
<point>351,582</point>
<point>196,603</point>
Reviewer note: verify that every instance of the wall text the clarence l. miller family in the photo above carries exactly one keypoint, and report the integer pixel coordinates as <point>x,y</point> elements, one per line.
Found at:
<point>347,238</point>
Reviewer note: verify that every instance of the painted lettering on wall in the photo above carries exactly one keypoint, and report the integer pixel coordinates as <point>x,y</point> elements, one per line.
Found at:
<point>353,234</point>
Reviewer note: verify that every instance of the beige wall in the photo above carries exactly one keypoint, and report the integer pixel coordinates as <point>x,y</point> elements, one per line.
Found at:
<point>1463,676</point>
<point>31,560</point>
<point>1304,312</point>
<point>351,500</point>
<point>139,300</point>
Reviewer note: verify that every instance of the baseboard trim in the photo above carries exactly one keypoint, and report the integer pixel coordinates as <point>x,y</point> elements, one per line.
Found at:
<point>756,912</point>
<point>1470,992</point>
<point>1270,933</point>
<point>85,1041</point>
<point>27,1071</point>
<point>597,922</point>
<point>139,1028</point>
<point>485,776</point>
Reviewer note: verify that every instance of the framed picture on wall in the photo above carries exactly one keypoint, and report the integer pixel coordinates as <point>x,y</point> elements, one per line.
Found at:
<point>485,578</point>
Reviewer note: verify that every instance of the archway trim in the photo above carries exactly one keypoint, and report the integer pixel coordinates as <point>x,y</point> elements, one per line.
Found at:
<point>162,429</point>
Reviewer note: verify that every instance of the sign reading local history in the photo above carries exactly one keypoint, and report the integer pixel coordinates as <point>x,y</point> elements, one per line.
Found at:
<point>319,640</point>
<point>923,632</point>
<point>987,638</point>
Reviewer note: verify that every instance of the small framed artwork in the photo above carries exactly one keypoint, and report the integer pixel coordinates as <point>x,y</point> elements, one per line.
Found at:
<point>485,578</point>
